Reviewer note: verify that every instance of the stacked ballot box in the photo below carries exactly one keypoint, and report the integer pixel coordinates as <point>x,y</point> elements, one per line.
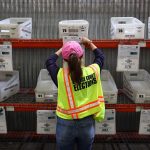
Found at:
<point>9,78</point>
<point>136,86</point>
<point>16,28</point>
<point>9,84</point>
<point>46,90</point>
<point>109,87</point>
<point>73,28</point>
<point>126,28</point>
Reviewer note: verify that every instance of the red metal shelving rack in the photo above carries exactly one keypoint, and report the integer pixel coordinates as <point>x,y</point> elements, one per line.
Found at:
<point>31,106</point>
<point>47,106</point>
<point>57,43</point>
<point>49,43</point>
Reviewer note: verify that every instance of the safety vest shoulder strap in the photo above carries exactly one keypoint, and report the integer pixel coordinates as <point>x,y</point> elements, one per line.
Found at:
<point>69,92</point>
<point>94,67</point>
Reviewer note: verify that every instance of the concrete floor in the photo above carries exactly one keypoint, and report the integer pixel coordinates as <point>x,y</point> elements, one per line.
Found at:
<point>52,146</point>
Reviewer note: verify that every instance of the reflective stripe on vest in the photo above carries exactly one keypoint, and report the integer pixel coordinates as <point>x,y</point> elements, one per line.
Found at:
<point>69,92</point>
<point>82,108</point>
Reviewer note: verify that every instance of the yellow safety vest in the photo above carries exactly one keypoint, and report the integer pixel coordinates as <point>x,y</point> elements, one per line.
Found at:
<point>79,101</point>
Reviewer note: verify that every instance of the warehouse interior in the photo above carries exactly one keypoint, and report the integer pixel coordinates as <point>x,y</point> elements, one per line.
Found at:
<point>19,118</point>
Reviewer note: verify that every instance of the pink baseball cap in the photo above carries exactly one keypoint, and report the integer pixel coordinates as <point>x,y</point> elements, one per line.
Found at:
<point>71,47</point>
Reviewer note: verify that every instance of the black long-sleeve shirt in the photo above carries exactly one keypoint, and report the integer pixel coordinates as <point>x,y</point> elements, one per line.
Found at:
<point>53,68</point>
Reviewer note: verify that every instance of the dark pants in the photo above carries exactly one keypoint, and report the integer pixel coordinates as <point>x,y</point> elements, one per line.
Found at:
<point>69,132</point>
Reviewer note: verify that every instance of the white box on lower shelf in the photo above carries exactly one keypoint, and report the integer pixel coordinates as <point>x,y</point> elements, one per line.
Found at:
<point>126,28</point>
<point>45,90</point>
<point>144,127</point>
<point>136,86</point>
<point>108,126</point>
<point>109,87</point>
<point>16,28</point>
<point>9,84</point>
<point>46,122</point>
<point>3,126</point>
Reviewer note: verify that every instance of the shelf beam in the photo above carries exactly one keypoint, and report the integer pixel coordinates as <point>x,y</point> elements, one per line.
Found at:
<point>32,106</point>
<point>57,43</point>
<point>21,107</point>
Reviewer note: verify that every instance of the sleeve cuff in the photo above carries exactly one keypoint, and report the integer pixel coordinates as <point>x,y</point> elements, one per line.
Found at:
<point>96,51</point>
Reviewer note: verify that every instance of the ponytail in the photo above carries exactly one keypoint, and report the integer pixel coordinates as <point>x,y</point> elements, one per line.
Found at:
<point>75,69</point>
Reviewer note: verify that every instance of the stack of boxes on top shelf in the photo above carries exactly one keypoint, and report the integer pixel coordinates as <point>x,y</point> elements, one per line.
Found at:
<point>9,78</point>
<point>136,82</point>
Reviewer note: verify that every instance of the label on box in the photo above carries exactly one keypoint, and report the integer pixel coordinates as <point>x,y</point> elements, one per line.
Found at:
<point>73,30</point>
<point>142,44</point>
<point>108,126</point>
<point>71,38</point>
<point>6,58</point>
<point>10,108</point>
<point>46,122</point>
<point>128,58</point>
<point>144,127</point>
<point>3,127</point>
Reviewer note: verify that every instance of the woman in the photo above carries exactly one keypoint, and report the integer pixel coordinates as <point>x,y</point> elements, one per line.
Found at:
<point>80,95</point>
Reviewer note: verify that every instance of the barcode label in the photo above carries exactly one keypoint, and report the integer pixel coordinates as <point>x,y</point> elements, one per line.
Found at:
<point>105,130</point>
